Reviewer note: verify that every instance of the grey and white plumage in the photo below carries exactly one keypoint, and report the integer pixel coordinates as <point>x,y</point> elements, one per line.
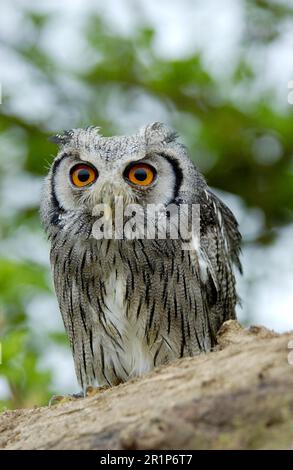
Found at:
<point>130,305</point>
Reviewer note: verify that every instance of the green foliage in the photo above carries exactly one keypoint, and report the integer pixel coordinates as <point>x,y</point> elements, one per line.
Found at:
<point>229,138</point>
<point>20,352</point>
<point>27,383</point>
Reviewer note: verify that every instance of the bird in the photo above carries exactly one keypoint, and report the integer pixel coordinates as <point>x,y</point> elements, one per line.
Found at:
<point>132,304</point>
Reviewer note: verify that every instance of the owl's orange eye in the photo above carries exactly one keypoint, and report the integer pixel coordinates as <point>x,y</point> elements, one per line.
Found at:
<point>83,175</point>
<point>140,174</point>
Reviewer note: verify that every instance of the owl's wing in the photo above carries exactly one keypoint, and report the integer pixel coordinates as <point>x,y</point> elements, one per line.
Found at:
<point>220,249</point>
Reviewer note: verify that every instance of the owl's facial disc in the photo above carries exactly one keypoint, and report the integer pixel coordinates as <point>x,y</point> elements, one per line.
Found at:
<point>82,180</point>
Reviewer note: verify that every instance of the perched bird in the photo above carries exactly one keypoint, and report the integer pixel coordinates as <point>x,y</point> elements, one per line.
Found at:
<point>131,304</point>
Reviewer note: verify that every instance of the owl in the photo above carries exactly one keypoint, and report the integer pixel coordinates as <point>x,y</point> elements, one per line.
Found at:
<point>131,304</point>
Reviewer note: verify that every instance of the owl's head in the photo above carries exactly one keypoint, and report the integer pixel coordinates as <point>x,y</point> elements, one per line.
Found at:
<point>149,167</point>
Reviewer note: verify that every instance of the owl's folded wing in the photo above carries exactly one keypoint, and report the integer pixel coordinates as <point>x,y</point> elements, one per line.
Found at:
<point>219,251</point>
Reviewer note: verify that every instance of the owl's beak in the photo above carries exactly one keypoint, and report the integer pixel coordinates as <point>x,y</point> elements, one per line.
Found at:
<point>109,194</point>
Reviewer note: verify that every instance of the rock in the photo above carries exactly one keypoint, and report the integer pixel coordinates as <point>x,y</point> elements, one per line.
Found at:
<point>236,397</point>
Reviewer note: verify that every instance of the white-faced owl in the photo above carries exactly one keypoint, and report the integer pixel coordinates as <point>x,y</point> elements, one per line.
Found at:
<point>129,305</point>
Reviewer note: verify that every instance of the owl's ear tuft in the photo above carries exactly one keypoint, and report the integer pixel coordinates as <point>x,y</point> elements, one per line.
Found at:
<point>159,132</point>
<point>62,139</point>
